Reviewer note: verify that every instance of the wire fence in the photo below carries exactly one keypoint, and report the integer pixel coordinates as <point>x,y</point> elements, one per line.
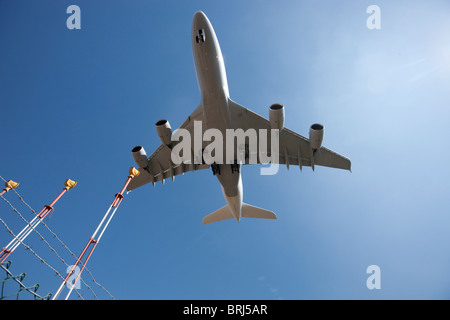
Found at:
<point>5,265</point>
<point>21,287</point>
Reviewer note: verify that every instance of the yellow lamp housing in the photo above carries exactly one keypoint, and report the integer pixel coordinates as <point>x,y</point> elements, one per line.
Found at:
<point>11,185</point>
<point>133,172</point>
<point>70,184</point>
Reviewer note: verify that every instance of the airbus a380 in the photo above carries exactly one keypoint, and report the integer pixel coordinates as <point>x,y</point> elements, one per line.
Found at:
<point>218,111</point>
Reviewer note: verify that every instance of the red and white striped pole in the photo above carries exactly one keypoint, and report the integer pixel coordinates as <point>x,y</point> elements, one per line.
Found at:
<point>93,241</point>
<point>9,185</point>
<point>6,251</point>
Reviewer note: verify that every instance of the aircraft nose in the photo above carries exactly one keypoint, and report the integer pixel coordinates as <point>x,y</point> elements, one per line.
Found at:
<point>200,18</point>
<point>199,15</point>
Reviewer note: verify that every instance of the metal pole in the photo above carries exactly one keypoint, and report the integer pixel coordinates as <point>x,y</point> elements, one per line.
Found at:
<point>92,240</point>
<point>6,251</point>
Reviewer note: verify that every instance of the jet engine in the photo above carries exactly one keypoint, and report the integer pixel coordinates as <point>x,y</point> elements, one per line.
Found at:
<point>140,156</point>
<point>315,136</point>
<point>164,132</point>
<point>276,116</point>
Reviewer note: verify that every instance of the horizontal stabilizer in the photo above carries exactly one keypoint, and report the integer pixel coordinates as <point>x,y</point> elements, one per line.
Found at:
<point>249,211</point>
<point>223,213</point>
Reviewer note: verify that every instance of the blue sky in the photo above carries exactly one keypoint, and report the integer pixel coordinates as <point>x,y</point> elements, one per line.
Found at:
<point>74,103</point>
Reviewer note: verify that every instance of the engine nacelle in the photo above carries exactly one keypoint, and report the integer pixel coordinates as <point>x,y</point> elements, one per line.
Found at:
<point>164,132</point>
<point>140,156</point>
<point>276,116</point>
<point>315,136</point>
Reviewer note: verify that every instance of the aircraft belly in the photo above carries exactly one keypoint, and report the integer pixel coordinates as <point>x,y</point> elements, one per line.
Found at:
<point>231,183</point>
<point>229,180</point>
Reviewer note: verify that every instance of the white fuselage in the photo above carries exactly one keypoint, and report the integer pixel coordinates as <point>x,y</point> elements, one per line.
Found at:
<point>213,84</point>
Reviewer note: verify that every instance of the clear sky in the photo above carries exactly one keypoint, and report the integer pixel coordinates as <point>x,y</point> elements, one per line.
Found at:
<point>74,103</point>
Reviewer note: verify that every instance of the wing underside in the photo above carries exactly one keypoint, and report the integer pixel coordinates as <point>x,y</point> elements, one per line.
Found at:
<point>294,149</point>
<point>160,166</point>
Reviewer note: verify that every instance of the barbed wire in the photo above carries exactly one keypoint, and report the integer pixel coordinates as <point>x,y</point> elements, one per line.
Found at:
<point>46,242</point>
<point>56,237</point>
<point>64,246</point>
<point>34,253</point>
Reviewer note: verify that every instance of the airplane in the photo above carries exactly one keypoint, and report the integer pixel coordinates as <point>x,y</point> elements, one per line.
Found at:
<point>218,110</point>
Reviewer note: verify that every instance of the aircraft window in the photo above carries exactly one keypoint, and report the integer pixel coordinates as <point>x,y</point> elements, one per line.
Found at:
<point>200,36</point>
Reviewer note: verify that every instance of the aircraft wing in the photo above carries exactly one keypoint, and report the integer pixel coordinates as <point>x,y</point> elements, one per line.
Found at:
<point>161,166</point>
<point>294,149</point>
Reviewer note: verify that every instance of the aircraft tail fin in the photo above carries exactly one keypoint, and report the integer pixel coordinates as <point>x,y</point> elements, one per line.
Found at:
<point>249,211</point>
